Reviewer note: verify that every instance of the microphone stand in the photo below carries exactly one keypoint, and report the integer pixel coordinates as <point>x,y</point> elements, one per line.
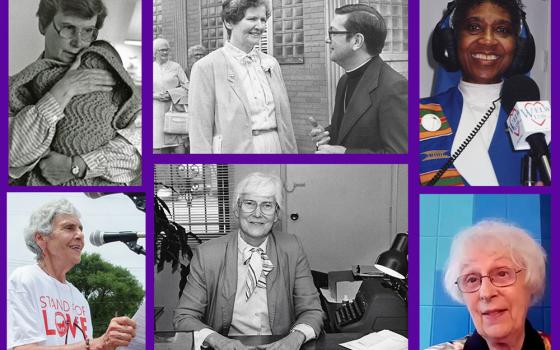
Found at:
<point>135,247</point>
<point>540,153</point>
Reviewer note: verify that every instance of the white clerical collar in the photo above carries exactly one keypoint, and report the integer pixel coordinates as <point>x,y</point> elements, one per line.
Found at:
<point>242,245</point>
<point>480,94</point>
<point>360,66</point>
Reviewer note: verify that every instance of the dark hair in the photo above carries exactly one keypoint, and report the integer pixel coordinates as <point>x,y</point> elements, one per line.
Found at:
<point>462,8</point>
<point>366,20</point>
<point>233,11</point>
<point>79,8</point>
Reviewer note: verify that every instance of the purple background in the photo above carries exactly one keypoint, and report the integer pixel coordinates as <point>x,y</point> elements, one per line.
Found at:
<point>414,189</point>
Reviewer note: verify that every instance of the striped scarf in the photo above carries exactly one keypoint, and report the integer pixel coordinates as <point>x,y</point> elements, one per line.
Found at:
<point>257,265</point>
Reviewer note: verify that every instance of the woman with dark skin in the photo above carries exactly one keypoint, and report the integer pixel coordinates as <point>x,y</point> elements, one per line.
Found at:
<point>484,45</point>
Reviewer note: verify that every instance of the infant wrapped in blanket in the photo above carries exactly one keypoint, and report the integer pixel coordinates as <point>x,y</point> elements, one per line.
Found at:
<point>91,120</point>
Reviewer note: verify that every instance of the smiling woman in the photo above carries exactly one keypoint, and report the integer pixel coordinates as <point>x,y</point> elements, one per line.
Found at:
<point>44,309</point>
<point>461,130</point>
<point>498,271</point>
<point>243,107</point>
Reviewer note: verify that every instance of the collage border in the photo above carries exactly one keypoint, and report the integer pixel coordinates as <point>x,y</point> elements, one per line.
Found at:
<point>414,190</point>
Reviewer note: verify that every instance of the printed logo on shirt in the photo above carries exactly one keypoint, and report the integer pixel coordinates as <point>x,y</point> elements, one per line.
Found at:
<point>61,316</point>
<point>433,122</point>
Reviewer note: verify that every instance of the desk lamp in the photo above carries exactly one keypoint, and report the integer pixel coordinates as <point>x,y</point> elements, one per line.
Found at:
<point>394,262</point>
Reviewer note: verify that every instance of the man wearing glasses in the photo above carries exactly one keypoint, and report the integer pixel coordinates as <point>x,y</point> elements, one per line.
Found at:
<point>253,281</point>
<point>68,27</point>
<point>370,112</point>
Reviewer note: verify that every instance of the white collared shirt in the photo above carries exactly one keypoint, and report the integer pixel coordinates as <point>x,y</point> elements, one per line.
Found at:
<point>255,86</point>
<point>250,317</point>
<point>474,163</point>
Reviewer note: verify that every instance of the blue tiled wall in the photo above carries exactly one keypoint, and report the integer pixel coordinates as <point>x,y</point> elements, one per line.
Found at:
<point>443,216</point>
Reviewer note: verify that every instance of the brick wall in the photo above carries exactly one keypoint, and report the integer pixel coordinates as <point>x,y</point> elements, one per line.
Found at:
<point>307,83</point>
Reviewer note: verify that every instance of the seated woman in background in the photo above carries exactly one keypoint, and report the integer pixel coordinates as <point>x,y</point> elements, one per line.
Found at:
<point>238,102</point>
<point>498,271</point>
<point>488,41</point>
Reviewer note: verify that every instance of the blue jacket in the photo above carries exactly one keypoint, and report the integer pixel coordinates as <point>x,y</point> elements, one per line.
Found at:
<point>435,146</point>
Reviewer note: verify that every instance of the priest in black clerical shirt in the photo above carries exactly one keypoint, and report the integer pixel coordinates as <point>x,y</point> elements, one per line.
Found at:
<point>370,112</point>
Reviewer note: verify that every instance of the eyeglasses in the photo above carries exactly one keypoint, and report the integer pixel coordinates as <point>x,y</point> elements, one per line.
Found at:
<point>500,277</point>
<point>162,50</point>
<point>334,32</point>
<point>69,31</point>
<point>249,206</point>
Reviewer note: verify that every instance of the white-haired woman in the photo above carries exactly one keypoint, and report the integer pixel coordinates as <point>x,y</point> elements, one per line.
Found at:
<point>45,310</point>
<point>498,271</point>
<point>170,86</point>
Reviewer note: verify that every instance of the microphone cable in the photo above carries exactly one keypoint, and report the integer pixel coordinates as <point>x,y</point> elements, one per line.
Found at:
<point>464,144</point>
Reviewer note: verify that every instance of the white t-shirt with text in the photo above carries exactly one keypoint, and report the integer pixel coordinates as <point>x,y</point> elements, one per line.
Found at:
<point>45,311</point>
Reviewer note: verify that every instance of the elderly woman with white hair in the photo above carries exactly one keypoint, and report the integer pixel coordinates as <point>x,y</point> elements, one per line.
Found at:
<point>170,87</point>
<point>253,281</point>
<point>45,311</point>
<point>498,271</point>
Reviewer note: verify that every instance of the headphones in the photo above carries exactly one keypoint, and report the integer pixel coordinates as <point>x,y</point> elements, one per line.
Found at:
<point>444,46</point>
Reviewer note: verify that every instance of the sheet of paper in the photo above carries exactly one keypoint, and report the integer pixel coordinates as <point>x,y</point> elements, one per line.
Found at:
<point>327,294</point>
<point>383,340</point>
<point>350,289</point>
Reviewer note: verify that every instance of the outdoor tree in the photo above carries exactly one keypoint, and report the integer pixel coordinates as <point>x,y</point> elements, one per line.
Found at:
<point>110,290</point>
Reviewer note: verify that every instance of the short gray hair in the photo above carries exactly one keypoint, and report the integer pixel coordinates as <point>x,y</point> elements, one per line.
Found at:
<point>196,48</point>
<point>523,250</point>
<point>41,222</point>
<point>158,44</point>
<point>256,182</point>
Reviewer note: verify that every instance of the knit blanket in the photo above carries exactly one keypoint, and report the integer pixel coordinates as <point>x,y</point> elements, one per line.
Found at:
<point>91,120</point>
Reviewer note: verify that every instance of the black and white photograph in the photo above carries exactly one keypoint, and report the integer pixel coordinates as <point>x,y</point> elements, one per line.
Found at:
<point>281,256</point>
<point>75,92</point>
<point>286,76</point>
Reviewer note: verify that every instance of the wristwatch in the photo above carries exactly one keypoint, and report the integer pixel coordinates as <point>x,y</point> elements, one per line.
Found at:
<point>75,169</point>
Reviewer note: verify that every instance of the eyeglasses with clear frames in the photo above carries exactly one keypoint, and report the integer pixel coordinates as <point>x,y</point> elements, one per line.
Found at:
<point>69,31</point>
<point>249,206</point>
<point>499,277</point>
<point>334,32</point>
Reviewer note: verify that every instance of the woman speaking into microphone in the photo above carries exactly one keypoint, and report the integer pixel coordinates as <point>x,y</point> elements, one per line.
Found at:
<point>462,130</point>
<point>45,311</point>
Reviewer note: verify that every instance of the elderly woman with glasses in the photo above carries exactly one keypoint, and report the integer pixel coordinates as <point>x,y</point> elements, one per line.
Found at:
<point>72,111</point>
<point>238,102</point>
<point>253,281</point>
<point>45,311</point>
<point>498,271</point>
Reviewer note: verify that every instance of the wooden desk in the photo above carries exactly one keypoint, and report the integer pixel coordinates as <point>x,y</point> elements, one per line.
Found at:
<point>328,341</point>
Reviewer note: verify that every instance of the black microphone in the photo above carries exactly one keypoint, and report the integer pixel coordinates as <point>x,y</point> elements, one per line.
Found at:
<point>98,238</point>
<point>528,120</point>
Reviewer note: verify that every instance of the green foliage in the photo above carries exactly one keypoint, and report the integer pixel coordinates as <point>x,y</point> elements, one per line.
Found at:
<point>110,290</point>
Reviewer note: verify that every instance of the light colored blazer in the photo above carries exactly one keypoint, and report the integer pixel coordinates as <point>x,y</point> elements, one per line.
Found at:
<point>209,296</point>
<point>218,111</point>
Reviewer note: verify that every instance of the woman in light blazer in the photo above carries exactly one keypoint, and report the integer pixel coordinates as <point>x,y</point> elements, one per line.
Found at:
<point>238,102</point>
